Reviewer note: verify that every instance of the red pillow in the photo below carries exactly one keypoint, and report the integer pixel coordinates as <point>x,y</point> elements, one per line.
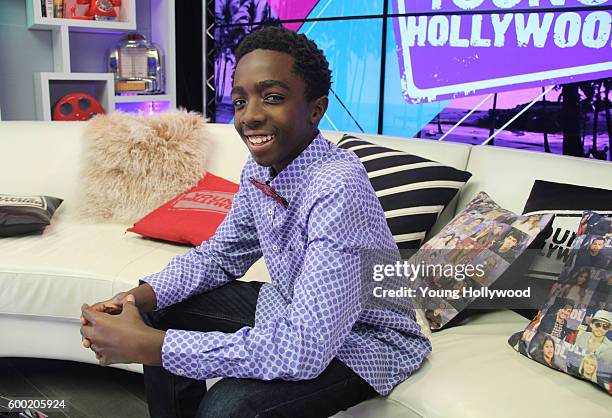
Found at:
<point>193,216</point>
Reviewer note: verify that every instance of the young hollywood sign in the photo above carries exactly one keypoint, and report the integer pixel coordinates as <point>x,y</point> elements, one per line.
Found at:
<point>454,48</point>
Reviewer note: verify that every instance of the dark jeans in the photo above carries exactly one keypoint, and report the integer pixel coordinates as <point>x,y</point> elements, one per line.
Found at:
<point>228,309</point>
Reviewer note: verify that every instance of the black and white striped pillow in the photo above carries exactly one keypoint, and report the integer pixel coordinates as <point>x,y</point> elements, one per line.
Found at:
<point>412,190</point>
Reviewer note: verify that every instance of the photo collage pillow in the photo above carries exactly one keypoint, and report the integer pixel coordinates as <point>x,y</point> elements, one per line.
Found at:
<point>573,330</point>
<point>484,236</point>
<point>567,202</point>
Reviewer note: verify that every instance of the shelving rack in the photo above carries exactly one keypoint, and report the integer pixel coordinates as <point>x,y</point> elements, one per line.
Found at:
<point>79,49</point>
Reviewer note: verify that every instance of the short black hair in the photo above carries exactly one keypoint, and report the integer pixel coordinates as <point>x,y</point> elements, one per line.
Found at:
<point>514,235</point>
<point>309,62</point>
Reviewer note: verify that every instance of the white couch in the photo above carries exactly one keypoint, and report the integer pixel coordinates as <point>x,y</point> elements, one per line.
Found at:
<point>472,372</point>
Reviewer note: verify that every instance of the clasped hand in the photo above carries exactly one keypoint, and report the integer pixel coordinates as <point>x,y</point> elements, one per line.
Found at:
<point>115,331</point>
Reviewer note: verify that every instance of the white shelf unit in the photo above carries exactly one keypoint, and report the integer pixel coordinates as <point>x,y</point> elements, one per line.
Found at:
<point>126,19</point>
<point>50,87</point>
<point>142,98</point>
<point>79,49</point>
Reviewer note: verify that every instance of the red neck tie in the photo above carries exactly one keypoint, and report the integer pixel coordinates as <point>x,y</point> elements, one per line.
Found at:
<point>269,191</point>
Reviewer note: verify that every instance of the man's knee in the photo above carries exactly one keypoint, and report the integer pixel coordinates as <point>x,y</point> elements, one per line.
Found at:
<point>228,398</point>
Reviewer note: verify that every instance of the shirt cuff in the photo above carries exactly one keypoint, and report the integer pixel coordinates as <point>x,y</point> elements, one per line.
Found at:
<point>158,282</point>
<point>180,353</point>
<point>202,355</point>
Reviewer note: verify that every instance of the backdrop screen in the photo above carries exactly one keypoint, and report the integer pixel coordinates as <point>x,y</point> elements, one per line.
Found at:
<point>517,73</point>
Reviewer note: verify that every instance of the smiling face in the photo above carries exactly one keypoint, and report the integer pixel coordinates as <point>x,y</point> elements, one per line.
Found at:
<point>600,328</point>
<point>564,312</point>
<point>271,112</point>
<point>548,350</point>
<point>589,365</point>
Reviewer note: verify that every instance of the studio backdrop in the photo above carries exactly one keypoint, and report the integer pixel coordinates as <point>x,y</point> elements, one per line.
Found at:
<point>530,74</point>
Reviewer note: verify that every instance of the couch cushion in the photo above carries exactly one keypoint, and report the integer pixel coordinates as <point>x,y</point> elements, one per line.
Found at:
<point>473,372</point>
<point>69,264</point>
<point>72,263</point>
<point>508,175</point>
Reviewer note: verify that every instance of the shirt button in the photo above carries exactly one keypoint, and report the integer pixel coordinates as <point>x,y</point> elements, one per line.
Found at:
<point>180,371</point>
<point>270,211</point>
<point>275,248</point>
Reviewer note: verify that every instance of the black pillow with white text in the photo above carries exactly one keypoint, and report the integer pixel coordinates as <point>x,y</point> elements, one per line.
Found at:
<point>567,202</point>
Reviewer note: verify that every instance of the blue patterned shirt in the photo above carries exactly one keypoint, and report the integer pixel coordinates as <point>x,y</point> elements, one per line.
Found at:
<point>314,309</point>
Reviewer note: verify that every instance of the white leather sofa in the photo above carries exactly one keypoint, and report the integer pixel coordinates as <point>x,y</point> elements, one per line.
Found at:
<point>473,372</point>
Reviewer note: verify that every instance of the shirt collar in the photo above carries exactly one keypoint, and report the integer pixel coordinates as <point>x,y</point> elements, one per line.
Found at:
<point>288,180</point>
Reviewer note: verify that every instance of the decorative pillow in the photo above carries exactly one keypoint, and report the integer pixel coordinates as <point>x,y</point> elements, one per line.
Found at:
<point>21,215</point>
<point>464,261</point>
<point>412,190</point>
<point>572,332</point>
<point>135,163</point>
<point>192,216</point>
<point>567,202</point>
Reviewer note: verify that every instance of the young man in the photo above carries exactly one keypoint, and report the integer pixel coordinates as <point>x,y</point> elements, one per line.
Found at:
<point>555,321</point>
<point>596,341</point>
<point>593,255</point>
<point>507,248</point>
<point>308,343</point>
